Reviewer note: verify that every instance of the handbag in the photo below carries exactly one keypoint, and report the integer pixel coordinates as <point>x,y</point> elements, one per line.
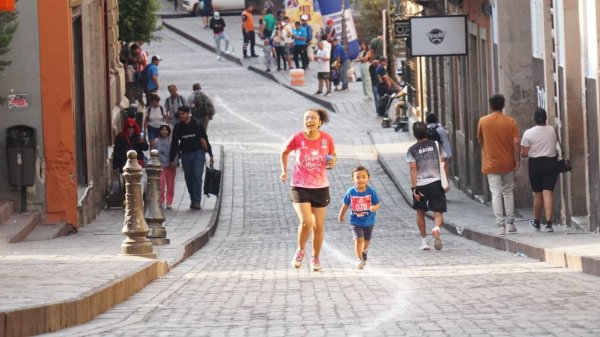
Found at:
<point>563,164</point>
<point>443,177</point>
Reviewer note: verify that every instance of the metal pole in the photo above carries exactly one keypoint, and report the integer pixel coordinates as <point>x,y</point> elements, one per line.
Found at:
<point>384,30</point>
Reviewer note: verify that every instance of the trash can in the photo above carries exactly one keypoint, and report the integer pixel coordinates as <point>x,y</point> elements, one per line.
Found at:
<point>20,148</point>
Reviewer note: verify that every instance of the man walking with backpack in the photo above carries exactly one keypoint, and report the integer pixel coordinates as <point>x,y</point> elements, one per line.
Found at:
<point>435,131</point>
<point>201,106</point>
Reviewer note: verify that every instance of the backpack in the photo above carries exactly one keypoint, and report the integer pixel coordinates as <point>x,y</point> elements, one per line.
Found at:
<point>142,77</point>
<point>432,133</point>
<point>202,106</point>
<point>162,110</point>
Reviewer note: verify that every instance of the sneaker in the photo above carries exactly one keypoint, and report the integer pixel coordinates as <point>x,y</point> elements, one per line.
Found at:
<point>246,56</point>
<point>360,263</point>
<point>316,264</point>
<point>327,94</point>
<point>169,207</point>
<point>344,89</point>
<point>512,229</point>
<point>218,57</point>
<point>424,247</point>
<point>195,206</point>
<point>298,257</point>
<point>254,55</point>
<point>318,92</point>
<point>364,255</point>
<point>501,231</point>
<point>549,229</point>
<point>535,223</point>
<point>437,240</point>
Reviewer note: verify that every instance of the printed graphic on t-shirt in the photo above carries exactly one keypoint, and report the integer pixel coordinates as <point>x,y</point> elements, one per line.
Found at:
<point>360,205</point>
<point>309,169</point>
<point>426,155</point>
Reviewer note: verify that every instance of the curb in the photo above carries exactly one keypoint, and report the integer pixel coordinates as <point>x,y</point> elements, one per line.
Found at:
<point>84,308</point>
<point>584,264</point>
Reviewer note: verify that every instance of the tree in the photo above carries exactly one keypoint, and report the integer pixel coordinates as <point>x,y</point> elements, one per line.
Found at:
<point>138,20</point>
<point>8,26</point>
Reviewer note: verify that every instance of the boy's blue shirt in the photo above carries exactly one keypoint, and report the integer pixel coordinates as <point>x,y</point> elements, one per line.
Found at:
<point>359,204</point>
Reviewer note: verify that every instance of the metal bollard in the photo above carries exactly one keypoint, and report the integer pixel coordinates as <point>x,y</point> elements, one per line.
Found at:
<point>134,227</point>
<point>152,209</point>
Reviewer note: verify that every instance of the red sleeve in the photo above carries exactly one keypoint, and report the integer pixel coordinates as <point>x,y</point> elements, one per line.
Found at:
<point>292,143</point>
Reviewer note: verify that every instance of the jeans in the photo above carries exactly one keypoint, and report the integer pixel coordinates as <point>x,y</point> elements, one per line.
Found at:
<point>344,74</point>
<point>218,38</point>
<point>375,96</point>
<point>193,167</point>
<point>502,186</point>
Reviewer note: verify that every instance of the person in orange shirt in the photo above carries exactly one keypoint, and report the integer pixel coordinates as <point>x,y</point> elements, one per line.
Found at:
<point>499,137</point>
<point>248,31</point>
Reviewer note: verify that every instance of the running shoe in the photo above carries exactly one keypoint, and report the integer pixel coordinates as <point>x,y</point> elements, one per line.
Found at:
<point>549,229</point>
<point>437,240</point>
<point>327,94</point>
<point>501,230</point>
<point>424,247</point>
<point>318,92</point>
<point>364,255</point>
<point>298,257</point>
<point>316,264</point>
<point>535,223</point>
<point>360,263</point>
<point>511,229</point>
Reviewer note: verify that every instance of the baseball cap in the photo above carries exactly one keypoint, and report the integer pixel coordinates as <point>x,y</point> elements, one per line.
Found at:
<point>330,21</point>
<point>304,17</point>
<point>217,15</point>
<point>156,58</point>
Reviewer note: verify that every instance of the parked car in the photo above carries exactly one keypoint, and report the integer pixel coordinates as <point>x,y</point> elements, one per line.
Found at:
<point>224,6</point>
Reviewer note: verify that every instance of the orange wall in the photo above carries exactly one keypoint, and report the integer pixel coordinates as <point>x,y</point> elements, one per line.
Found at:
<point>56,79</point>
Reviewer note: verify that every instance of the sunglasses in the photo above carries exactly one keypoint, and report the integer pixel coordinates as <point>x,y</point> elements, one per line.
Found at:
<point>131,127</point>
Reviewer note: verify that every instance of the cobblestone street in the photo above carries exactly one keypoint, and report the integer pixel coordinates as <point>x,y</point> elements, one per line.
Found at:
<point>241,282</point>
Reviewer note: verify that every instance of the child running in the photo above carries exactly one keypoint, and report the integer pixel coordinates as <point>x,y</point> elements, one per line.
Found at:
<point>363,201</point>
<point>167,177</point>
<point>424,158</point>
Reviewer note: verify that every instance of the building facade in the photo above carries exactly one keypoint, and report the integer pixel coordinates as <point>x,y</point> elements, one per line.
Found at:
<point>65,66</point>
<point>538,53</point>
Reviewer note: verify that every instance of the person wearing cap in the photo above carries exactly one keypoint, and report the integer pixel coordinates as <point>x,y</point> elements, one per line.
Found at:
<point>217,24</point>
<point>190,141</point>
<point>300,37</point>
<point>152,85</point>
<point>248,32</point>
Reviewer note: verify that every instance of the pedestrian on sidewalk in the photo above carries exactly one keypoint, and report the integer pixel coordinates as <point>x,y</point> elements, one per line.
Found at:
<point>269,24</point>
<point>424,158</point>
<point>315,153</point>
<point>434,128</point>
<point>207,12</point>
<point>300,37</point>
<point>269,54</point>
<point>217,24</point>
<point>151,74</point>
<point>130,138</point>
<point>175,5</point>
<point>374,83</point>
<point>155,117</point>
<point>499,138</point>
<point>363,59</point>
<point>201,106</point>
<point>248,32</point>
<point>172,104</point>
<point>342,63</point>
<point>323,68</point>
<point>287,33</point>
<point>191,143</point>
<point>167,176</point>
<point>279,44</point>
<point>363,202</point>
<point>539,144</point>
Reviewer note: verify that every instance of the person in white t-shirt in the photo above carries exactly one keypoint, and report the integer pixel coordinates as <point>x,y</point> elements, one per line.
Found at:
<point>539,144</point>
<point>322,57</point>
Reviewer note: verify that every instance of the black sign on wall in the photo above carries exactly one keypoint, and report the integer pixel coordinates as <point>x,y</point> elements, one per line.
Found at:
<point>401,29</point>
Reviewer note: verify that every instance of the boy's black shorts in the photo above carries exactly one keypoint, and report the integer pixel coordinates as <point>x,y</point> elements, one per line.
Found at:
<point>433,197</point>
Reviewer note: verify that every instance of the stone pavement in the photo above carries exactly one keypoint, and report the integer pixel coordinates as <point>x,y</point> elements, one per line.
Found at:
<point>46,286</point>
<point>565,247</point>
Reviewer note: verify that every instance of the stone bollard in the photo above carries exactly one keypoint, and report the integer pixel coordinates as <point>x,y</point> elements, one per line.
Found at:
<point>134,227</point>
<point>152,209</point>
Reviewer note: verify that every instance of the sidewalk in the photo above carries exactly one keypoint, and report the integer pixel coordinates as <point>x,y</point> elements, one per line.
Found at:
<point>566,247</point>
<point>50,285</point>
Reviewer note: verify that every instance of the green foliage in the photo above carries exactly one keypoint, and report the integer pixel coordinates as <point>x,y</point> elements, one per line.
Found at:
<point>138,20</point>
<point>8,26</point>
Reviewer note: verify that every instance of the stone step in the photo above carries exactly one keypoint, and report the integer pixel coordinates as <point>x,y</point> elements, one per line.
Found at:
<point>7,208</point>
<point>18,226</point>
<point>49,231</point>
